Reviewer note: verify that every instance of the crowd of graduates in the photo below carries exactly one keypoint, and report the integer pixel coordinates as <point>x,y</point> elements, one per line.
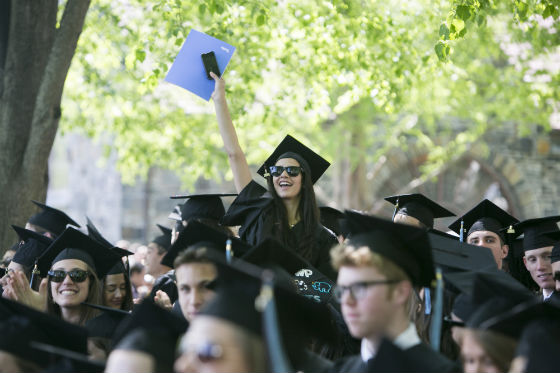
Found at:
<point>277,284</point>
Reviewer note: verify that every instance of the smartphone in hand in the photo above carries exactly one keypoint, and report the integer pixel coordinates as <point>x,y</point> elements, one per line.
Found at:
<point>210,64</point>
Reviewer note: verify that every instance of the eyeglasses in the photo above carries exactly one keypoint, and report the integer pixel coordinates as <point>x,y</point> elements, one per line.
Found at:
<point>205,352</point>
<point>291,170</point>
<point>76,275</point>
<point>358,289</point>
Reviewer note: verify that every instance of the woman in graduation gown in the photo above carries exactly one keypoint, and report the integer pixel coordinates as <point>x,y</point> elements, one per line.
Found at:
<point>288,211</point>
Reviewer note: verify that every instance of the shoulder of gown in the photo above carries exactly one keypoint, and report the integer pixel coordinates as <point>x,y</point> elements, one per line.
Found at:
<point>247,205</point>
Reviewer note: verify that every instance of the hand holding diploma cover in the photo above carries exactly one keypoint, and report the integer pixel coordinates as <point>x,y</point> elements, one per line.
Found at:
<point>188,69</point>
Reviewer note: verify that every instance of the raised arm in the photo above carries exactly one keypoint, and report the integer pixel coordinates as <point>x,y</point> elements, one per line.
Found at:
<point>237,160</point>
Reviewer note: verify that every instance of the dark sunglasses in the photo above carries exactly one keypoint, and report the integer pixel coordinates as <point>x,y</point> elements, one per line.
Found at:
<point>291,170</point>
<point>76,275</point>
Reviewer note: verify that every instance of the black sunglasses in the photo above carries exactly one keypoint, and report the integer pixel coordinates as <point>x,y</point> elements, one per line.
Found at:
<point>291,170</point>
<point>76,275</point>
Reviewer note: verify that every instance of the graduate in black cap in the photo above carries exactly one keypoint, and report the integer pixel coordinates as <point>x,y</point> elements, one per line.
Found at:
<point>378,267</point>
<point>163,274</point>
<point>192,256</point>
<point>417,209</point>
<point>73,264</point>
<point>288,212</point>
<point>483,226</point>
<point>50,221</point>
<point>205,208</point>
<point>537,248</point>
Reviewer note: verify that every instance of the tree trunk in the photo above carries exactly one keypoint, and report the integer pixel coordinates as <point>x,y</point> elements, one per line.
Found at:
<point>37,60</point>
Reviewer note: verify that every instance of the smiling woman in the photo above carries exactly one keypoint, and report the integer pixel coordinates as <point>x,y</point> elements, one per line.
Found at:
<point>73,264</point>
<point>288,212</point>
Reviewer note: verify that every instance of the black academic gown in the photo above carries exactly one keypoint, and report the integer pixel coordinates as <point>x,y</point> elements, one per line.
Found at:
<point>429,361</point>
<point>252,210</point>
<point>166,282</point>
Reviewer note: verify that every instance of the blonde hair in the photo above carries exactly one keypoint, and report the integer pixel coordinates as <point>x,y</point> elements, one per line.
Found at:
<point>348,255</point>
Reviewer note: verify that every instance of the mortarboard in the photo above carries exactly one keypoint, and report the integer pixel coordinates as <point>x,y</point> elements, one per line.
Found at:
<point>238,288</point>
<point>485,216</point>
<point>67,360</point>
<point>205,206</point>
<point>330,218</point>
<point>51,219</point>
<point>539,345</point>
<point>105,324</point>
<point>188,71</point>
<point>406,246</point>
<point>163,240</point>
<point>197,232</point>
<point>309,281</point>
<point>555,254</point>
<point>159,344</point>
<point>451,254</point>
<point>94,233</point>
<point>34,244</point>
<point>307,158</point>
<point>73,244</point>
<point>418,206</point>
<point>22,325</point>
<point>147,315</point>
<point>533,229</point>
<point>515,319</point>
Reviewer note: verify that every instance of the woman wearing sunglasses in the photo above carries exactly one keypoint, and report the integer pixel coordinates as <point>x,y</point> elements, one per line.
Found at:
<point>288,212</point>
<point>73,264</point>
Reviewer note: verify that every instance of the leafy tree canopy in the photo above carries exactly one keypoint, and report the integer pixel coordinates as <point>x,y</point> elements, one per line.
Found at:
<point>320,70</point>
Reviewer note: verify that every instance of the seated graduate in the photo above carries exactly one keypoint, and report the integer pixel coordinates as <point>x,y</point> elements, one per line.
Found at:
<point>377,268</point>
<point>537,248</point>
<point>417,210</point>
<point>288,212</point>
<point>192,256</point>
<point>483,225</point>
<point>74,263</point>
<point>237,332</point>
<point>49,221</point>
<point>21,271</point>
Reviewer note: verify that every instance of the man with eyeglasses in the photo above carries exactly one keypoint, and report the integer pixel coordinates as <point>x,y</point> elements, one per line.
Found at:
<point>377,269</point>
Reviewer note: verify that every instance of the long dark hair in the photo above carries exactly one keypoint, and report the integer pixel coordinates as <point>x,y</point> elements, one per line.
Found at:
<point>127,302</point>
<point>308,212</point>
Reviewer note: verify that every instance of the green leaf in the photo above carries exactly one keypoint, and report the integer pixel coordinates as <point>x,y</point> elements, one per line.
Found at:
<point>522,9</point>
<point>261,19</point>
<point>463,12</point>
<point>202,9</point>
<point>444,31</point>
<point>140,55</point>
<point>442,49</point>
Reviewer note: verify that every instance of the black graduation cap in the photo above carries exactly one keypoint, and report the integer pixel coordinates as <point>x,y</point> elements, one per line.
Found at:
<point>67,360</point>
<point>420,207</point>
<point>196,232</point>
<point>330,218</point>
<point>451,254</point>
<point>34,244</point>
<point>205,206</point>
<point>307,158</point>
<point>73,244</point>
<point>555,254</point>
<point>513,320</point>
<point>487,284</point>
<point>147,315</point>
<point>238,288</point>
<point>94,233</point>
<point>21,325</point>
<point>533,229</point>
<point>163,240</point>
<point>405,245</point>
<point>485,216</point>
<point>51,219</point>
<point>309,281</point>
<point>159,344</point>
<point>105,324</point>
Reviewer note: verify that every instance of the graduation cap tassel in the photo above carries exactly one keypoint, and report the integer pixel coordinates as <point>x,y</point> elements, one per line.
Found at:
<point>461,232</point>
<point>229,251</point>
<point>437,316</point>
<point>33,283</point>
<point>396,209</point>
<point>265,303</point>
